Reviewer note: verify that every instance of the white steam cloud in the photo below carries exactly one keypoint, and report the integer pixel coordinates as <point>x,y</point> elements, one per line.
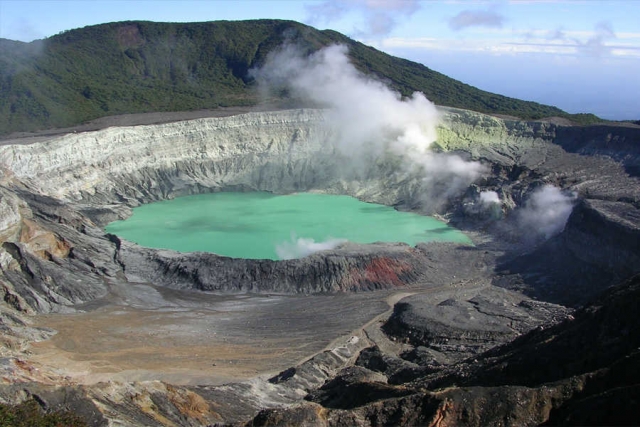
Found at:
<point>546,212</point>
<point>489,197</point>
<point>301,247</point>
<point>368,118</point>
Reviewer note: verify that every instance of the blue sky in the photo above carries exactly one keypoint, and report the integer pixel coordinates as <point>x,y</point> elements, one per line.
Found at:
<point>582,56</point>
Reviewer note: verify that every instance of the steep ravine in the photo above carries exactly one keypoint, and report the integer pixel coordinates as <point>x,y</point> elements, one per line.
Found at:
<point>55,197</point>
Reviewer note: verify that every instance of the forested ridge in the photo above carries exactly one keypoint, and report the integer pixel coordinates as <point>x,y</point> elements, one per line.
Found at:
<point>136,67</point>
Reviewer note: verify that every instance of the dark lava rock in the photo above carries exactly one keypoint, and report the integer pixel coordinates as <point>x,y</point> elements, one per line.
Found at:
<point>397,370</point>
<point>583,371</point>
<point>454,329</point>
<point>596,336</point>
<point>616,407</point>
<point>353,387</point>
<point>599,247</point>
<point>620,143</point>
<point>350,267</point>
<point>307,414</point>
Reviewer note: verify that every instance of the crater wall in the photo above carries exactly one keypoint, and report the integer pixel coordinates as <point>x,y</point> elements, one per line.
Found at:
<point>142,163</point>
<point>56,195</point>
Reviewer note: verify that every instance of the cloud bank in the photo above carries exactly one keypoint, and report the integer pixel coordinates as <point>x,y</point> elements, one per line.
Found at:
<point>368,119</point>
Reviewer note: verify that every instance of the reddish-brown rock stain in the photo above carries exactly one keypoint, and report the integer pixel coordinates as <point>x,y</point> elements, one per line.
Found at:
<point>380,271</point>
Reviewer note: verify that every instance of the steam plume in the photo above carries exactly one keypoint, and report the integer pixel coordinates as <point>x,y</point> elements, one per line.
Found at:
<point>301,247</point>
<point>546,212</point>
<point>368,118</point>
<point>489,197</point>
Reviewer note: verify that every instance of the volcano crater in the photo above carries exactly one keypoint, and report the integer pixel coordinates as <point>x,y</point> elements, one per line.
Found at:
<point>57,195</point>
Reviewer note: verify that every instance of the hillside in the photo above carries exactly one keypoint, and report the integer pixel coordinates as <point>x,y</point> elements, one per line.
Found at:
<point>136,67</point>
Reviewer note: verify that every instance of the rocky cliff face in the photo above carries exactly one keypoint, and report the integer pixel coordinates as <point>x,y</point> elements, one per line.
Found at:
<point>144,163</point>
<point>56,196</point>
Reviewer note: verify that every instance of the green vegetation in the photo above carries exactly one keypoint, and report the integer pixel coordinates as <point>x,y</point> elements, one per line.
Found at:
<point>134,67</point>
<point>30,414</point>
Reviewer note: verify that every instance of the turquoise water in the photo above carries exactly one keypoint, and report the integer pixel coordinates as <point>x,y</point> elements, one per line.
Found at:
<point>262,225</point>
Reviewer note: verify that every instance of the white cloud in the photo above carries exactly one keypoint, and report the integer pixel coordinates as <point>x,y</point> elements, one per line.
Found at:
<point>476,18</point>
<point>510,41</point>
<point>595,45</point>
<point>493,46</point>
<point>378,17</point>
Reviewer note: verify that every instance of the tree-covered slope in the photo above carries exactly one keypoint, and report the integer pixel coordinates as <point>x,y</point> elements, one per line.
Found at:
<point>133,67</point>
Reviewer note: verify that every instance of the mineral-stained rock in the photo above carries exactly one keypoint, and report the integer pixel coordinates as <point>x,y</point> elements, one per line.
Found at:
<point>350,268</point>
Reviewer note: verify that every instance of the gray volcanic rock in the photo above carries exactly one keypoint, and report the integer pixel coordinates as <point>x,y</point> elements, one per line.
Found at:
<point>604,333</point>
<point>58,258</point>
<point>599,247</point>
<point>582,371</point>
<point>454,329</point>
<point>348,268</point>
<point>622,145</point>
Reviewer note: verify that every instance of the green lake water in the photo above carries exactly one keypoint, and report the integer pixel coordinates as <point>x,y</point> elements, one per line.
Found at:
<point>262,225</point>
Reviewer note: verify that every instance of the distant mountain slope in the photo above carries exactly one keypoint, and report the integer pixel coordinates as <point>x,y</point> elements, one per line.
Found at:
<point>133,67</point>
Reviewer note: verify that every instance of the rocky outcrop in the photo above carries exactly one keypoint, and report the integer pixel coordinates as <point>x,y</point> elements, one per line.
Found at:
<point>454,329</point>
<point>621,144</point>
<point>349,268</point>
<point>582,371</point>
<point>138,164</point>
<point>602,334</point>
<point>599,247</point>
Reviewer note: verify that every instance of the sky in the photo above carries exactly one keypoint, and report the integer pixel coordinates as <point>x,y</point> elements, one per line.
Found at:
<point>581,55</point>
